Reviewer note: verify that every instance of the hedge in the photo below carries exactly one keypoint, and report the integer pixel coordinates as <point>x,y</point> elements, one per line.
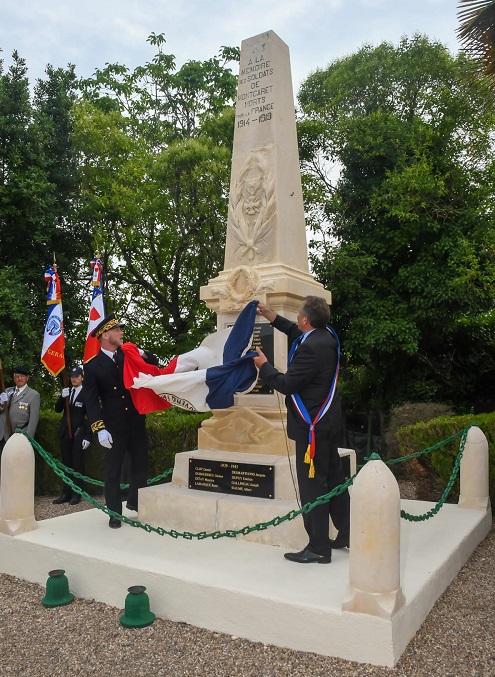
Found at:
<point>440,462</point>
<point>170,432</point>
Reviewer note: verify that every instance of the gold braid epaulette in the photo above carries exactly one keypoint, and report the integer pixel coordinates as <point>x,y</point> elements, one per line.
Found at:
<point>97,425</point>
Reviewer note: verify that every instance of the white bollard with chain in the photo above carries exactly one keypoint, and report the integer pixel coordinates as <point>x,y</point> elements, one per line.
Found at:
<point>474,490</point>
<point>374,559</point>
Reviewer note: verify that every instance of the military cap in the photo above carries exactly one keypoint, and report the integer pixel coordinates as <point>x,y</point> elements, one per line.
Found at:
<point>21,370</point>
<point>108,322</point>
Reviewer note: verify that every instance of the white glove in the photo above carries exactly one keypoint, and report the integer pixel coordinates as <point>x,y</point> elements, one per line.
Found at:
<point>86,443</point>
<point>3,398</point>
<point>65,392</point>
<point>105,439</point>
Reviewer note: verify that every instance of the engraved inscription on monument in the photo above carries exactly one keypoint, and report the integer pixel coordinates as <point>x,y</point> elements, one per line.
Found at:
<point>255,100</point>
<point>263,338</point>
<point>248,479</point>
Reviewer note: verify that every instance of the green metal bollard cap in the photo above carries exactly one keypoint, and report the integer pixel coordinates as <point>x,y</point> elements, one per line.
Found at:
<point>57,589</point>
<point>137,612</point>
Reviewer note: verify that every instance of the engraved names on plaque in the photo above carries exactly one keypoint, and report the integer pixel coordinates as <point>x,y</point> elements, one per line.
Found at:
<point>263,338</point>
<point>247,479</point>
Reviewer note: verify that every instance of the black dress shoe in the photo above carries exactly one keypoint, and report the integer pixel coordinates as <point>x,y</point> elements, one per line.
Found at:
<point>131,506</point>
<point>342,541</point>
<point>307,557</point>
<point>114,523</point>
<point>63,498</point>
<point>75,500</point>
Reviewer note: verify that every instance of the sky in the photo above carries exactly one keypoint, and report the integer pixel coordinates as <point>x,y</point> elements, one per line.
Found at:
<point>91,33</point>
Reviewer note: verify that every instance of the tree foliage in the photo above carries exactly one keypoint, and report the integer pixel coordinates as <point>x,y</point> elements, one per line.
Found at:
<point>405,228</point>
<point>154,151</point>
<point>134,164</point>
<point>37,190</point>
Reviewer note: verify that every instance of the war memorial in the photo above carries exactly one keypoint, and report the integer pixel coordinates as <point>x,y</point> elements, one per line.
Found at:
<point>200,560</point>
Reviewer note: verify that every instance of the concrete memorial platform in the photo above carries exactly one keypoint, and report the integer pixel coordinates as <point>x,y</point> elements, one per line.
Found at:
<point>248,589</point>
<point>261,488</point>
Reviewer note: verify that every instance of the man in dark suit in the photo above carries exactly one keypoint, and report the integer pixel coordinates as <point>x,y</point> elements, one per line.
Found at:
<point>73,441</point>
<point>114,417</point>
<point>21,405</point>
<point>311,380</point>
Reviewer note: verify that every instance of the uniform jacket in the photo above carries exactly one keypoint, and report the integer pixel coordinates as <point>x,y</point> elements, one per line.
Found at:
<point>309,374</point>
<point>77,411</point>
<point>24,412</point>
<point>108,402</point>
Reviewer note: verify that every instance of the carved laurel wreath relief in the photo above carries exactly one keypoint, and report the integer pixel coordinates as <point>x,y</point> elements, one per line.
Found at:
<point>242,285</point>
<point>252,209</point>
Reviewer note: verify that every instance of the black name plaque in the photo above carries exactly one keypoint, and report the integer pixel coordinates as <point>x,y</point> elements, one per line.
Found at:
<point>246,479</point>
<point>263,338</point>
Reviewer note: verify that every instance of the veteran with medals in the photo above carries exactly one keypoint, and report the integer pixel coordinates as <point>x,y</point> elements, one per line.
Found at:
<point>21,405</point>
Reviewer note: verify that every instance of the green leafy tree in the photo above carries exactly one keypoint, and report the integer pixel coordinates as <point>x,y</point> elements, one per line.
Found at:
<point>53,100</point>
<point>19,177</point>
<point>155,148</point>
<point>404,229</point>
<point>37,190</point>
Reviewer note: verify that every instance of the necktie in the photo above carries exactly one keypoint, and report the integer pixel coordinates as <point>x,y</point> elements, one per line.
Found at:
<point>115,357</point>
<point>72,396</point>
<point>16,392</point>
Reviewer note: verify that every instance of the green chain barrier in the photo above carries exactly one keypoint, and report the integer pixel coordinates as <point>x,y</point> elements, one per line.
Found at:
<point>230,533</point>
<point>54,462</point>
<point>431,513</point>
<point>59,469</point>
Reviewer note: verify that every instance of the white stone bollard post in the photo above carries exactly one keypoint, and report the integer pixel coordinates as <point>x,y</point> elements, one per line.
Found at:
<point>374,566</point>
<point>17,487</point>
<point>474,480</point>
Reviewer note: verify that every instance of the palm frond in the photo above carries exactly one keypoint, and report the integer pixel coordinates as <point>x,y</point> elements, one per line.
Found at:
<point>476,33</point>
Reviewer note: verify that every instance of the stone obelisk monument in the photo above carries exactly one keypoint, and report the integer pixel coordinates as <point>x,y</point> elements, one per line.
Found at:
<point>243,470</point>
<point>266,251</point>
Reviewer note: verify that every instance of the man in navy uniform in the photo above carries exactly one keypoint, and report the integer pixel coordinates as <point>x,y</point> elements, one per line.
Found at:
<point>310,387</point>
<point>73,441</point>
<point>114,417</point>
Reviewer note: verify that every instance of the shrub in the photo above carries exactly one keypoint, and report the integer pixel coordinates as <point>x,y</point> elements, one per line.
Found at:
<point>408,414</point>
<point>170,432</point>
<point>440,463</point>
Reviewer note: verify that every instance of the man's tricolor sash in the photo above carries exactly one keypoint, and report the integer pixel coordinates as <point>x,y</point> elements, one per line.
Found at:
<point>301,409</point>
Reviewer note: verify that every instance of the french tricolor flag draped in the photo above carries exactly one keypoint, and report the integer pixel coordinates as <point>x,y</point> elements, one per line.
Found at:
<point>96,311</point>
<point>205,378</point>
<point>52,352</point>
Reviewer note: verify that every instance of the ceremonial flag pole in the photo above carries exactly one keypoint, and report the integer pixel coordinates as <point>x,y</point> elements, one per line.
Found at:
<point>53,350</point>
<point>96,311</point>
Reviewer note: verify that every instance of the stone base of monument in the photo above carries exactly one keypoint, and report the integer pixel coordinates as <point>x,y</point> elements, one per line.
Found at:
<point>216,491</point>
<point>248,589</point>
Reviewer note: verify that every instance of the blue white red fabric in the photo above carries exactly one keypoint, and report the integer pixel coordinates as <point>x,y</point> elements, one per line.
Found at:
<point>205,378</point>
<point>96,311</point>
<point>52,352</point>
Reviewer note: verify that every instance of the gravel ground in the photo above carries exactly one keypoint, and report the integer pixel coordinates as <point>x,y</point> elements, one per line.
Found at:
<point>85,638</point>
